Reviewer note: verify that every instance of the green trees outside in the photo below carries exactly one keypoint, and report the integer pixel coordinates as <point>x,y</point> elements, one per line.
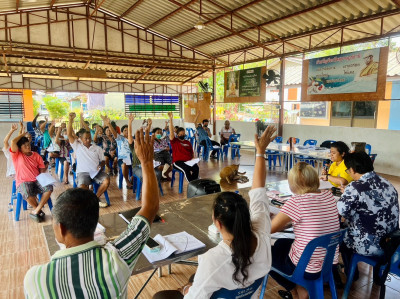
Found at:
<point>57,108</point>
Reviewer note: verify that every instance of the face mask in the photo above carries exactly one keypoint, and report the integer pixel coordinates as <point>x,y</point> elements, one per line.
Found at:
<point>206,126</point>
<point>181,137</point>
<point>158,136</point>
<point>65,137</point>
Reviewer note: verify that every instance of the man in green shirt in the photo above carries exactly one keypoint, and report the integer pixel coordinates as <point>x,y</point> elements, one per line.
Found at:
<point>86,269</point>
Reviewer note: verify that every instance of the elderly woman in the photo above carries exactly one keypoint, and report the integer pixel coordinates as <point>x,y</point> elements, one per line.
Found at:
<point>313,213</point>
<point>337,173</point>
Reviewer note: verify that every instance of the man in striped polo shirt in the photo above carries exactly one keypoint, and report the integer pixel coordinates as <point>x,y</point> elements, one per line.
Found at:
<point>86,269</point>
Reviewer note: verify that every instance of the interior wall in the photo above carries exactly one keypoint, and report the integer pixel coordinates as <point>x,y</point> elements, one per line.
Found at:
<point>385,143</point>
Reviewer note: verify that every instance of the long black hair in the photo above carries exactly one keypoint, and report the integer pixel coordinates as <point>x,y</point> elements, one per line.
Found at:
<point>341,147</point>
<point>232,211</point>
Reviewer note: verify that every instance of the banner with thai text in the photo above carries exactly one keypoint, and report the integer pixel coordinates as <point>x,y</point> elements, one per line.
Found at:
<point>355,72</point>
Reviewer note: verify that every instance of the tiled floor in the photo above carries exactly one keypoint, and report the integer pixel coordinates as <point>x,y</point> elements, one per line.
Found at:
<point>22,243</point>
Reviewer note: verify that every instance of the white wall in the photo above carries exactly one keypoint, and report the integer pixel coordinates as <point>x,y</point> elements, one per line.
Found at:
<point>385,143</point>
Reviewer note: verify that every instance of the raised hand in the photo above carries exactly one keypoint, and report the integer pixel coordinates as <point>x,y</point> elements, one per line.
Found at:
<point>46,119</point>
<point>131,117</point>
<point>170,115</point>
<point>14,127</point>
<point>149,122</point>
<point>262,142</point>
<point>144,146</point>
<point>72,116</point>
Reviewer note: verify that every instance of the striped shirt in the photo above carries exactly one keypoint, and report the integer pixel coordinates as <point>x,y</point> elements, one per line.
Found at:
<point>313,215</point>
<point>90,270</point>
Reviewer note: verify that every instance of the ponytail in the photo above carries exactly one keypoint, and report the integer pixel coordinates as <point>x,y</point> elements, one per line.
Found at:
<point>232,211</point>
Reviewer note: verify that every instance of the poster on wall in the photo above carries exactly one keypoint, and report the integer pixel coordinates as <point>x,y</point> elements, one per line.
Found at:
<point>355,72</point>
<point>243,83</point>
<point>313,110</point>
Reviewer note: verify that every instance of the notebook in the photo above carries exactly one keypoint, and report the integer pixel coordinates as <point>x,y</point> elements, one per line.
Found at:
<point>173,244</point>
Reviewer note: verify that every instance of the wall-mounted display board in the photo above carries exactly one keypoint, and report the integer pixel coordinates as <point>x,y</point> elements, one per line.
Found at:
<point>313,110</point>
<point>245,86</point>
<point>193,103</point>
<point>356,76</point>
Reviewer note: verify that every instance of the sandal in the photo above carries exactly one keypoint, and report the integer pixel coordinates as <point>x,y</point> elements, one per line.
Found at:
<point>35,217</point>
<point>285,294</point>
<point>103,204</point>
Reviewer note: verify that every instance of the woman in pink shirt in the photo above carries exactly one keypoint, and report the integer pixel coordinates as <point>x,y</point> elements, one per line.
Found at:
<point>28,165</point>
<point>313,213</point>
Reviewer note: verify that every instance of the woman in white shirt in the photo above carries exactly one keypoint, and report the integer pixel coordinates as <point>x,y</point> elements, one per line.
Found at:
<point>244,254</point>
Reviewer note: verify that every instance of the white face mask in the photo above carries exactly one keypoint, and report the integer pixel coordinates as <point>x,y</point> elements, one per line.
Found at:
<point>65,137</point>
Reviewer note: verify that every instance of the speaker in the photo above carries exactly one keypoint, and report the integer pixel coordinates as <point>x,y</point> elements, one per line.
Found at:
<point>202,187</point>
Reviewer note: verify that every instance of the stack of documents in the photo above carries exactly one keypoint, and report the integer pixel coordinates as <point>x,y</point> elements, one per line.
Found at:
<point>173,244</point>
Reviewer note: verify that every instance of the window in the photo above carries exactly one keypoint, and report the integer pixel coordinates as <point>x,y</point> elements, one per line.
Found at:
<point>11,106</point>
<point>341,109</point>
<point>364,109</point>
<point>156,105</point>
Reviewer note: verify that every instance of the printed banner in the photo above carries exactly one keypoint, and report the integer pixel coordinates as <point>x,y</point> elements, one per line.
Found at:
<point>355,72</point>
<point>243,83</point>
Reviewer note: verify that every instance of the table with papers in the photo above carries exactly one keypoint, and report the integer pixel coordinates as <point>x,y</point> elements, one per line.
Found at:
<point>192,216</point>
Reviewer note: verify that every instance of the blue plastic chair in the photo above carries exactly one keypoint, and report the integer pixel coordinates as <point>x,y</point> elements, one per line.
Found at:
<point>315,287</point>
<point>274,155</point>
<point>209,148</point>
<point>96,187</point>
<point>307,159</point>
<point>13,192</point>
<point>137,187</point>
<point>121,176</point>
<point>24,204</point>
<point>297,141</point>
<point>244,293</point>
<point>368,148</point>
<point>235,149</point>
<point>62,168</point>
<point>181,178</point>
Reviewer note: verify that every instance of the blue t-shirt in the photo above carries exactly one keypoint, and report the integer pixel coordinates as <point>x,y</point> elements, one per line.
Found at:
<point>124,151</point>
<point>202,134</point>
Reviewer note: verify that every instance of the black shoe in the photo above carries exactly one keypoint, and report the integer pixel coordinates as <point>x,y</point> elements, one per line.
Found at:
<point>213,157</point>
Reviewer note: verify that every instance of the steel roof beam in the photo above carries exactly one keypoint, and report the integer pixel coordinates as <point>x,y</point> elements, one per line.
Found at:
<point>234,32</point>
<point>219,17</point>
<point>171,13</point>
<point>271,22</point>
<point>131,8</point>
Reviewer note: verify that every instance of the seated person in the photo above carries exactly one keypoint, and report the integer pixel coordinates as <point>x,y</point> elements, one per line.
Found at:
<point>124,153</point>
<point>89,159</point>
<point>54,148</point>
<point>28,165</point>
<point>6,150</point>
<point>337,174</point>
<point>244,254</point>
<point>110,151</point>
<point>370,207</point>
<point>182,151</point>
<point>226,132</point>
<point>100,271</point>
<point>313,213</point>
<point>162,154</point>
<point>136,166</point>
<point>63,143</point>
<point>204,133</point>
<point>39,127</point>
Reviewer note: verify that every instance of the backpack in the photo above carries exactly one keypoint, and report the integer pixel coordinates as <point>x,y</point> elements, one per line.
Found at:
<point>389,244</point>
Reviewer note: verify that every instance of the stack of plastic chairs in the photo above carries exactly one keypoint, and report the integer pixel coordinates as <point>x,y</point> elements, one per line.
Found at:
<point>235,149</point>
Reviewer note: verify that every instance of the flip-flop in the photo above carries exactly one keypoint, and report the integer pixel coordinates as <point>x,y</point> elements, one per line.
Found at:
<point>34,217</point>
<point>103,204</point>
<point>285,294</point>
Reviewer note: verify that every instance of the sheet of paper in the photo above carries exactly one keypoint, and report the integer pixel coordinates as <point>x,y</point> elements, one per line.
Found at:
<point>156,163</point>
<point>94,173</point>
<point>325,185</point>
<point>166,249</point>
<point>274,210</point>
<point>127,161</point>
<point>192,162</point>
<point>184,242</point>
<point>45,179</point>
<point>281,235</point>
